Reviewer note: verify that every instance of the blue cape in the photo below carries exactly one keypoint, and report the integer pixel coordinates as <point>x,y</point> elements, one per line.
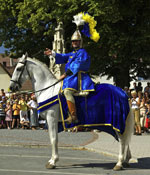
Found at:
<point>105,109</point>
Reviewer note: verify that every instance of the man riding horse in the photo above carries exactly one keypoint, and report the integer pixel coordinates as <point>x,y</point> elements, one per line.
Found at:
<point>75,78</point>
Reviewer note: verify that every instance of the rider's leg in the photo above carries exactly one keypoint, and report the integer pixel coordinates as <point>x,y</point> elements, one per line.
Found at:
<point>71,106</point>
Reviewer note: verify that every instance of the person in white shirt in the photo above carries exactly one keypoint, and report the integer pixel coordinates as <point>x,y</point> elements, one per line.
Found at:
<point>135,104</point>
<point>32,104</point>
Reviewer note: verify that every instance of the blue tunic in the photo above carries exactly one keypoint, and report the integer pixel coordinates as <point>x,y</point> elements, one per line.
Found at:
<point>79,63</point>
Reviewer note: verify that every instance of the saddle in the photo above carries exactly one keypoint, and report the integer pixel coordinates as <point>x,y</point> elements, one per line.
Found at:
<point>81,93</point>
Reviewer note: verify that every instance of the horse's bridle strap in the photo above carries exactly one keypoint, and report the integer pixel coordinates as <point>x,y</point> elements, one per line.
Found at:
<point>18,81</point>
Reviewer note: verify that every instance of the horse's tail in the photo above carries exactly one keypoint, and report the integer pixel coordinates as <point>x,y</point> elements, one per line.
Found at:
<point>129,129</point>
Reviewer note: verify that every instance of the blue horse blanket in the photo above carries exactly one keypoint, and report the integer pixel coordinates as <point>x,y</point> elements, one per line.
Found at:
<point>105,109</point>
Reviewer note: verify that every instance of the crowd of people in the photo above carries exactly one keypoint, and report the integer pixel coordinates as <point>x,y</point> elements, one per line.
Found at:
<point>19,111</point>
<point>139,98</point>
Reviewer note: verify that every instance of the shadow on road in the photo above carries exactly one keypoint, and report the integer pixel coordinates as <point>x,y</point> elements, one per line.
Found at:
<point>143,163</point>
<point>107,166</point>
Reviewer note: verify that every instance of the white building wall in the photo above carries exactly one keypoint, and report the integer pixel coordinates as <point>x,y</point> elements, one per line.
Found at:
<point>4,80</point>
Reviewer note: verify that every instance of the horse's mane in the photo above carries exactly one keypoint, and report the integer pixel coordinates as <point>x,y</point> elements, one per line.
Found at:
<point>36,61</point>
<point>39,63</point>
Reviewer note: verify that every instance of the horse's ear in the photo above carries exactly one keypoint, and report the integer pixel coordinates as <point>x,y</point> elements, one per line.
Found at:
<point>26,55</point>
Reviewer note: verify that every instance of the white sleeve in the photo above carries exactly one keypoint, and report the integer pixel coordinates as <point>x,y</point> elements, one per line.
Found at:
<point>53,54</point>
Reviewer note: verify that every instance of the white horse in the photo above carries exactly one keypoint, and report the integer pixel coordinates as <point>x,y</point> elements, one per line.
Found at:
<point>41,78</point>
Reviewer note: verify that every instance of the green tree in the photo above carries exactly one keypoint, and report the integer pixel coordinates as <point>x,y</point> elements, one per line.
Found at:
<point>124,27</point>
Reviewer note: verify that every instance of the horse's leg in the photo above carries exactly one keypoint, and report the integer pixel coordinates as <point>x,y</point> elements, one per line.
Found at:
<point>127,157</point>
<point>119,165</point>
<point>52,120</point>
<point>124,142</point>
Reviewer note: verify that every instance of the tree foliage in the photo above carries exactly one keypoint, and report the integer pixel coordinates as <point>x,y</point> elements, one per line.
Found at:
<point>124,27</point>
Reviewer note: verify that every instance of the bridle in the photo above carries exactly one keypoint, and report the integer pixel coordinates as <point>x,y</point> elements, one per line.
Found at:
<point>21,72</point>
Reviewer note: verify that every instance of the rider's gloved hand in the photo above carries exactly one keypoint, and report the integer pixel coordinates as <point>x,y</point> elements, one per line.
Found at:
<point>48,52</point>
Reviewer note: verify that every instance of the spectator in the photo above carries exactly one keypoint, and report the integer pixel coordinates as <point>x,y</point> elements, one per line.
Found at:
<point>42,123</point>
<point>147,123</point>
<point>2,93</point>
<point>127,91</point>
<point>2,116</point>
<point>27,99</point>
<point>135,103</point>
<point>24,120</point>
<point>142,114</point>
<point>4,101</point>
<point>147,88</point>
<point>140,96</point>
<point>32,104</point>
<point>16,114</point>
<point>139,87</point>
<point>134,87</point>
<point>8,118</point>
<point>147,98</point>
<point>12,99</point>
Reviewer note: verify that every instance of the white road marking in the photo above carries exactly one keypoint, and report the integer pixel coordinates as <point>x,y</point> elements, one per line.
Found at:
<point>33,156</point>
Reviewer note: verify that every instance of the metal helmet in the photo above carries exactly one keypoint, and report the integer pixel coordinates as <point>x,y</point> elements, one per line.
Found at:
<point>76,35</point>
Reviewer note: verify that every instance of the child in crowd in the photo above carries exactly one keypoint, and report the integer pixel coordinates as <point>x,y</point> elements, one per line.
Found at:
<point>16,114</point>
<point>8,118</point>
<point>24,121</point>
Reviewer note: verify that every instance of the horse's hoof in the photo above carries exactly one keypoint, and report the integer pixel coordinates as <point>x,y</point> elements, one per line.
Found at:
<point>49,166</point>
<point>126,165</point>
<point>118,168</point>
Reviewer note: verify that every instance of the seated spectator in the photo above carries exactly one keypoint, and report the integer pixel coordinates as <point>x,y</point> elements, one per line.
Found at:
<point>24,121</point>
<point>8,118</point>
<point>16,114</point>
<point>42,123</point>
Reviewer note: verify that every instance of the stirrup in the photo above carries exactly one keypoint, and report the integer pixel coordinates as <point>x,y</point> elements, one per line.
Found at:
<point>71,119</point>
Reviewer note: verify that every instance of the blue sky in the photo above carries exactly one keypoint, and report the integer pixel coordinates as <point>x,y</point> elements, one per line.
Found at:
<point>2,49</point>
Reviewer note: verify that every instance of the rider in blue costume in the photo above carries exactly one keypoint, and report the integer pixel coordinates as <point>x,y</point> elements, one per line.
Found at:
<point>75,78</point>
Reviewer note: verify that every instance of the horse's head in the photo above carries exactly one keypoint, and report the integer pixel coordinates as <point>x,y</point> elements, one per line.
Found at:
<point>19,74</point>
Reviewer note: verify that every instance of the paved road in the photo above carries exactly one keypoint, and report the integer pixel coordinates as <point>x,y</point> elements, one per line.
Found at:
<point>21,161</point>
<point>26,152</point>
<point>31,161</point>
